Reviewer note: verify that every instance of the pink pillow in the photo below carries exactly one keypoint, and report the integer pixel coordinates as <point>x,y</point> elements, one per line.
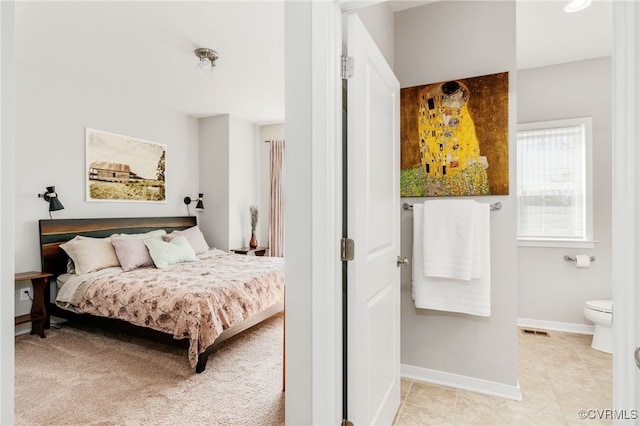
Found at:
<point>193,235</point>
<point>132,253</point>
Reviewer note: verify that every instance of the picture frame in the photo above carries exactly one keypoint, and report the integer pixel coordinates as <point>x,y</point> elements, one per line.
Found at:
<point>454,137</point>
<point>122,168</point>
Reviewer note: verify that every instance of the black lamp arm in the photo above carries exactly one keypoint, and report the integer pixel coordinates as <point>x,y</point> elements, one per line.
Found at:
<point>199,202</point>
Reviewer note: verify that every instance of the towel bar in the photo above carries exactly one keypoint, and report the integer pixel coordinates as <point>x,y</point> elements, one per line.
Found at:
<point>494,206</point>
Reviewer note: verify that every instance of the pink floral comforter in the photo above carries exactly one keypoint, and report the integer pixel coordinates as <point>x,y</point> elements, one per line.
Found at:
<point>194,300</point>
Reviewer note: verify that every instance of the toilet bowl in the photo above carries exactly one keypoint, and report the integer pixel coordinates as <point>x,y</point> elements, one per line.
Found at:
<point>600,313</point>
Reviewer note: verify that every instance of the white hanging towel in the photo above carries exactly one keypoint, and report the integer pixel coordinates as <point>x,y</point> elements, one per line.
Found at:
<point>451,243</point>
<point>447,294</point>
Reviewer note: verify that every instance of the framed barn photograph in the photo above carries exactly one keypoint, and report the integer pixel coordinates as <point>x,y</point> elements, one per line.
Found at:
<point>124,168</point>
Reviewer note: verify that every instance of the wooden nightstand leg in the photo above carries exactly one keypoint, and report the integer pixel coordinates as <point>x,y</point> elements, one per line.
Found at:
<point>38,309</point>
<point>47,296</point>
<point>37,327</point>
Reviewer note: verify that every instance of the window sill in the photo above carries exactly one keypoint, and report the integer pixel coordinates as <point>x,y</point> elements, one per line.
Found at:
<point>556,243</point>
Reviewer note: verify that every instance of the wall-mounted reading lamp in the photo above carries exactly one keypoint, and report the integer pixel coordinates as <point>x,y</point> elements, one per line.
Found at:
<point>199,203</point>
<point>52,198</point>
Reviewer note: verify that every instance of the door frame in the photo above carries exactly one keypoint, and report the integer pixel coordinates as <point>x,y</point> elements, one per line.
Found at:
<point>313,214</point>
<point>7,213</point>
<point>625,201</point>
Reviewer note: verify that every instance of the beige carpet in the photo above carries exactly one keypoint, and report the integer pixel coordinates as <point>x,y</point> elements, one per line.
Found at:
<point>100,377</point>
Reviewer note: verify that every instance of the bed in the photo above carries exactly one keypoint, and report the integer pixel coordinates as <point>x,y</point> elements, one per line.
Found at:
<point>194,293</point>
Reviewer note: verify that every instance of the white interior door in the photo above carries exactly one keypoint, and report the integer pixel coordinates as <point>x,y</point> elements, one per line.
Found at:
<point>373,222</point>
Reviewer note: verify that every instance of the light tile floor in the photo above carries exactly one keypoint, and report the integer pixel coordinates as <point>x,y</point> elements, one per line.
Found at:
<point>559,375</point>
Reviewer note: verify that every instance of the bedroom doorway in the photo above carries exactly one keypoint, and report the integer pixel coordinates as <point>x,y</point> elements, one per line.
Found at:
<point>113,99</point>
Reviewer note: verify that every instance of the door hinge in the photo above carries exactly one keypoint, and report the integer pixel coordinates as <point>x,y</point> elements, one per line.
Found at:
<point>347,67</point>
<point>346,249</point>
<point>346,422</point>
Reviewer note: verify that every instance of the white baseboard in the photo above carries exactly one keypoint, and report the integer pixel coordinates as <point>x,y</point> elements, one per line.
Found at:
<point>557,326</point>
<point>461,382</point>
<point>21,329</point>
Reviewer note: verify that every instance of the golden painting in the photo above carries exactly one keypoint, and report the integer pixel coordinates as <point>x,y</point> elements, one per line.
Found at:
<point>124,168</point>
<point>454,138</point>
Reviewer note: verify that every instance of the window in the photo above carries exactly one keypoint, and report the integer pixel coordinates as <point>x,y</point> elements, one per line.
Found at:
<point>554,183</point>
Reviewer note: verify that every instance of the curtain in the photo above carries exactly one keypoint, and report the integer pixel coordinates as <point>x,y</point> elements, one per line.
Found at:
<point>276,208</point>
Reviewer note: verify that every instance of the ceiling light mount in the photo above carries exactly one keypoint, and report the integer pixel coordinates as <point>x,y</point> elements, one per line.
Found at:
<point>207,58</point>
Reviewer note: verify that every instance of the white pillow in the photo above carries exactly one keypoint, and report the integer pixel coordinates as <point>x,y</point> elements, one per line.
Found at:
<point>90,254</point>
<point>157,234</point>
<point>71,268</point>
<point>194,236</point>
<point>165,254</point>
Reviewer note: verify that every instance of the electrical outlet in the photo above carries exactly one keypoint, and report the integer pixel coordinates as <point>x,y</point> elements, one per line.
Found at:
<point>26,294</point>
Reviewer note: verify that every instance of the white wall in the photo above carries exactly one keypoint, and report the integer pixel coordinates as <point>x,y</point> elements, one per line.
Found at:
<point>230,167</point>
<point>51,115</point>
<point>52,112</point>
<point>54,142</point>
<point>551,289</point>
<point>244,172</point>
<point>214,179</point>
<point>379,22</point>
<point>437,42</point>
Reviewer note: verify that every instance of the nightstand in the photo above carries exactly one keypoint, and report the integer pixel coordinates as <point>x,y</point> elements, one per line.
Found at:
<point>258,251</point>
<point>38,315</point>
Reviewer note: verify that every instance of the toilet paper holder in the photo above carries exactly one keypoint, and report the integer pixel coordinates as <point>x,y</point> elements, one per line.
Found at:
<point>573,258</point>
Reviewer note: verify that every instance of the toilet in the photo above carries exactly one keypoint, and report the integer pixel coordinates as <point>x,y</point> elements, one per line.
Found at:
<point>600,313</point>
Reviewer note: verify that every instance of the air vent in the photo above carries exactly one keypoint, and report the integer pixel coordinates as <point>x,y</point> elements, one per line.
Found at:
<point>535,332</point>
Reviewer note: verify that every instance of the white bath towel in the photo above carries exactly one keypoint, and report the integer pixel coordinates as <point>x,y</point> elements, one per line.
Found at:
<point>452,295</point>
<point>451,239</point>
